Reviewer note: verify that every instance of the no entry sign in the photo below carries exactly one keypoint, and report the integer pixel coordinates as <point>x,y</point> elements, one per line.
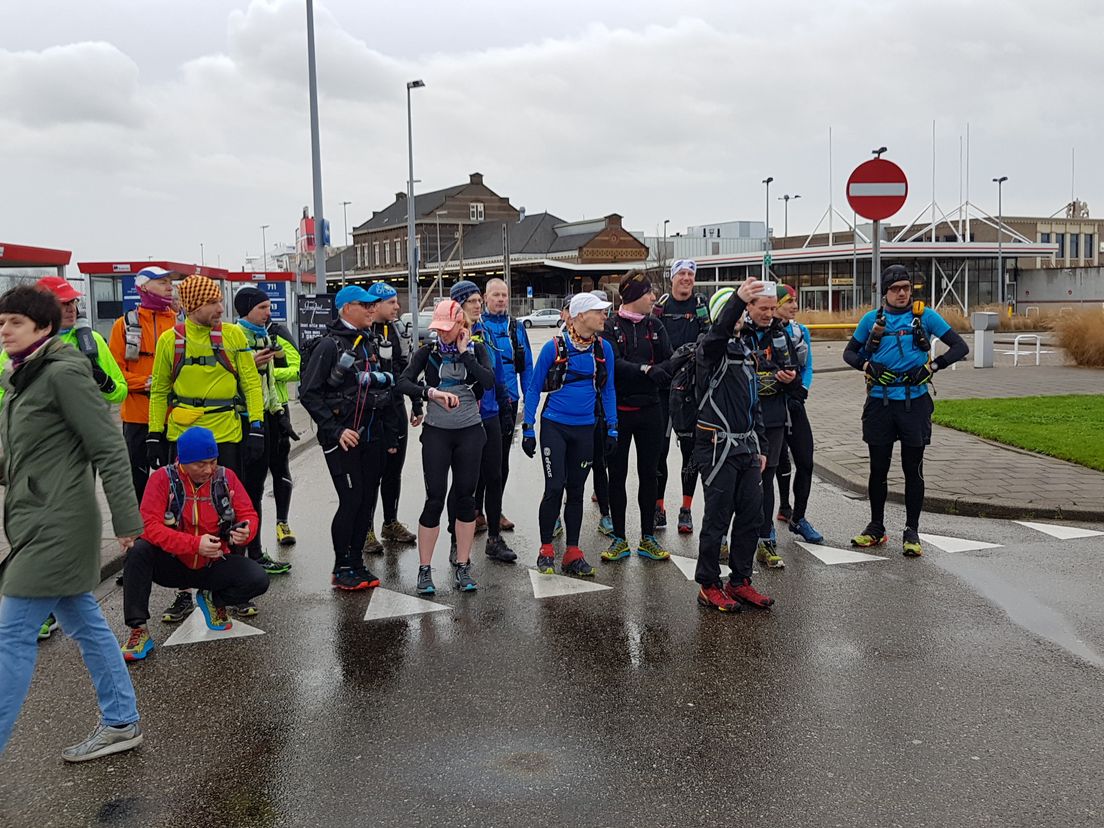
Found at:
<point>877,189</point>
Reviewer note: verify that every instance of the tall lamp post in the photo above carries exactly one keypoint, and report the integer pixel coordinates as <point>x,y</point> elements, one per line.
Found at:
<point>767,254</point>
<point>345,213</point>
<point>663,259</point>
<point>316,159</point>
<point>1000,235</point>
<point>411,255</point>
<point>785,199</point>
<point>264,247</point>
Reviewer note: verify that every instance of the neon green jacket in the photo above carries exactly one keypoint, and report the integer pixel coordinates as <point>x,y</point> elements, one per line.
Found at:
<point>103,357</point>
<point>277,374</point>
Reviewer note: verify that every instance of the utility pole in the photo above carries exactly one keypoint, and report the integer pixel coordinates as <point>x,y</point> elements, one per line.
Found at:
<point>316,159</point>
<point>345,213</point>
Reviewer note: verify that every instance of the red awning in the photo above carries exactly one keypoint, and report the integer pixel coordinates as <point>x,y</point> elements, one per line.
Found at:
<point>21,255</point>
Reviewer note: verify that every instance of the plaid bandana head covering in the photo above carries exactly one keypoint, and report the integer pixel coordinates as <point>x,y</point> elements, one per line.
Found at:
<point>197,291</point>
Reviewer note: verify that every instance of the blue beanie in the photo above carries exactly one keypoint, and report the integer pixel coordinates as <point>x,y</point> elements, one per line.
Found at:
<point>378,291</point>
<point>463,289</point>
<point>195,444</point>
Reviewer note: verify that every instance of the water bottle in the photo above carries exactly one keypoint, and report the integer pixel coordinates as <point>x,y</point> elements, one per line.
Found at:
<point>342,367</point>
<point>86,343</point>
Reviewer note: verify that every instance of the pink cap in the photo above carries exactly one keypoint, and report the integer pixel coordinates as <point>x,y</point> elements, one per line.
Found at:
<point>446,315</point>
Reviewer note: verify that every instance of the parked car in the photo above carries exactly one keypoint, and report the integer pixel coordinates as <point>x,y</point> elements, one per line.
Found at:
<point>424,333</point>
<point>543,318</point>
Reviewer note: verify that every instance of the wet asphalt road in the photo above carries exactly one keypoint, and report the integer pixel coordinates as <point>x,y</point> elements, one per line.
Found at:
<point>957,690</point>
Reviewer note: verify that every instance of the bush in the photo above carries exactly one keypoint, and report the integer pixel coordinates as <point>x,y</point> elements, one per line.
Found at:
<point>1082,336</point>
<point>951,313</point>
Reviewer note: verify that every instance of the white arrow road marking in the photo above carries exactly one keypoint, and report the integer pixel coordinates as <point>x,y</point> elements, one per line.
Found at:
<point>689,566</point>
<point>194,630</point>
<point>956,544</point>
<point>388,604</point>
<point>1060,532</point>
<point>552,586</point>
<point>831,555</point>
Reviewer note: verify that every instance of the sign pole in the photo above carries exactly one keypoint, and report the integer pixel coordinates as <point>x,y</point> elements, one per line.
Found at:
<point>876,262</point>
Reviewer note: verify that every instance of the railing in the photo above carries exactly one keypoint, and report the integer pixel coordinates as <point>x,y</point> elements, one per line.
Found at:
<point>1016,348</point>
<point>834,326</point>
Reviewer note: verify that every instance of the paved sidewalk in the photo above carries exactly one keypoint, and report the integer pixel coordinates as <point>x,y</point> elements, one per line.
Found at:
<point>965,474</point>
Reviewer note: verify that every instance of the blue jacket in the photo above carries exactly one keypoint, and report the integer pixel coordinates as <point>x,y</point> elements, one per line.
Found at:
<point>799,332</point>
<point>574,403</point>
<point>898,351</point>
<point>497,327</point>
<point>493,399</point>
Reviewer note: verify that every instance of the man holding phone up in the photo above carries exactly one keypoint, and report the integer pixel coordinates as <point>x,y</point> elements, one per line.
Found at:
<point>197,514</point>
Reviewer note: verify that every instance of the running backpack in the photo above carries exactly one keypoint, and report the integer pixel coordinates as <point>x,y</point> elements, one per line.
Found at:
<point>220,498</point>
<point>701,309</point>
<point>685,402</point>
<point>558,374</point>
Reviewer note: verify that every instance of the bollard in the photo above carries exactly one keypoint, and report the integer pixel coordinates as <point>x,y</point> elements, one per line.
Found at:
<point>985,324</point>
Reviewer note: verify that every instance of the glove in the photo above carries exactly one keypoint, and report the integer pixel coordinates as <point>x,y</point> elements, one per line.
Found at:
<point>254,443</point>
<point>611,441</point>
<point>878,374</point>
<point>921,374</point>
<point>106,383</point>
<point>376,379</point>
<point>506,420</point>
<point>157,450</point>
<point>798,391</point>
<point>528,440</point>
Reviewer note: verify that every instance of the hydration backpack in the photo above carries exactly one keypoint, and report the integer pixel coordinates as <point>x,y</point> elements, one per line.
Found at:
<point>558,375</point>
<point>220,498</point>
<point>684,390</point>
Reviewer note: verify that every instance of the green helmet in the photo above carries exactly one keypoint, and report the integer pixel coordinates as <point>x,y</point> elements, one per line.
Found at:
<point>718,301</point>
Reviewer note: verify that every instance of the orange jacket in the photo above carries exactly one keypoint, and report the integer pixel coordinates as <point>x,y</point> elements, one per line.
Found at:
<point>135,408</point>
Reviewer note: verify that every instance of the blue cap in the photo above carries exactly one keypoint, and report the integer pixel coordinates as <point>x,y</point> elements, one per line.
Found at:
<point>460,292</point>
<point>195,444</point>
<point>352,293</point>
<point>380,291</point>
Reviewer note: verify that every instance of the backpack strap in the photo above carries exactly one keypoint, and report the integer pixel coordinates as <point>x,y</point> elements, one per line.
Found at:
<point>218,357</point>
<point>175,507</point>
<point>660,307</point>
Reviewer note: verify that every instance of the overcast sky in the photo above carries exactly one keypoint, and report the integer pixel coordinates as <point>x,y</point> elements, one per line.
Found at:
<point>135,128</point>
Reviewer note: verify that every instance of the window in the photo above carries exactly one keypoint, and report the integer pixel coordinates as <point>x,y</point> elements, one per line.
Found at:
<point>1075,245</point>
<point>398,251</point>
<point>359,263</point>
<point>375,254</point>
<point>1090,254</point>
<point>1060,240</point>
<point>475,211</point>
<point>386,253</point>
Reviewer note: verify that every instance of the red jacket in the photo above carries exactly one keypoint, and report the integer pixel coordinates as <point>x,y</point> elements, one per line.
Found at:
<point>197,518</point>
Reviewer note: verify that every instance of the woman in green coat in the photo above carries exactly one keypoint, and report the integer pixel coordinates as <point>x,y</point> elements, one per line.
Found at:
<point>55,429</point>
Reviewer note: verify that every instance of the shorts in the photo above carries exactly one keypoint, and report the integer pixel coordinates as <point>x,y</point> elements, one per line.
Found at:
<point>776,436</point>
<point>883,425</point>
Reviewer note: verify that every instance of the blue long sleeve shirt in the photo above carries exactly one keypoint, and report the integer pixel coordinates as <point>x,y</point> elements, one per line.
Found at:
<point>497,327</point>
<point>898,350</point>
<point>573,404</point>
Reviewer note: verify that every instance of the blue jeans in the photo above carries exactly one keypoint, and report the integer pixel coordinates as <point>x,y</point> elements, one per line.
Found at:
<point>81,619</point>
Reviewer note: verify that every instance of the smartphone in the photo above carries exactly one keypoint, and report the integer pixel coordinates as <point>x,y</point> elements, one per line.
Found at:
<point>768,289</point>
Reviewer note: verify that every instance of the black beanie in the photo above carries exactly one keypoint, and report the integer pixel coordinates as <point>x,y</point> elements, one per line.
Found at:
<point>893,274</point>
<point>248,298</point>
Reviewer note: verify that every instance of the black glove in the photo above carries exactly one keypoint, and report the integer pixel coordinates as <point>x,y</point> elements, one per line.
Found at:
<point>798,391</point>
<point>921,375</point>
<point>611,442</point>
<point>157,450</point>
<point>506,419</point>
<point>106,383</point>
<point>528,440</point>
<point>254,443</point>
<point>878,374</point>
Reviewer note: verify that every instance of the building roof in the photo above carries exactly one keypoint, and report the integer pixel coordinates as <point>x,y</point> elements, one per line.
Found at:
<point>535,234</point>
<point>22,255</point>
<point>425,204</point>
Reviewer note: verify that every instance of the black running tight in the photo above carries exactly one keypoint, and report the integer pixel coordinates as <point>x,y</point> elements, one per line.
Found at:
<point>912,463</point>
<point>458,450</point>
<point>644,427</point>
<point>489,490</point>
<point>356,476</point>
<point>566,452</point>
<point>799,441</point>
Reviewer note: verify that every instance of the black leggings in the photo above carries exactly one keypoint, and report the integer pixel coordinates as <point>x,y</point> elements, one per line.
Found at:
<point>356,477</point>
<point>689,472</point>
<point>566,452</point>
<point>489,489</point>
<point>135,435</point>
<point>391,484</point>
<point>458,449</point>
<point>912,463</point>
<point>255,473</point>
<point>601,474</point>
<point>798,444</point>
<point>782,475</point>
<point>645,427</point>
<point>775,440</point>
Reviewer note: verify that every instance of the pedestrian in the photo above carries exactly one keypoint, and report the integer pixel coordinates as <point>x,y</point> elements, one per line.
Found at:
<point>456,371</point>
<point>56,435</point>
<point>640,346</point>
<point>575,369</point>
<point>685,315</point>
<point>729,449</point>
<point>892,347</point>
<point>197,514</point>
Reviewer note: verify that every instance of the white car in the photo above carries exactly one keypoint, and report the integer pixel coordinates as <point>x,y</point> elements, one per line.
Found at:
<point>424,333</point>
<point>543,318</point>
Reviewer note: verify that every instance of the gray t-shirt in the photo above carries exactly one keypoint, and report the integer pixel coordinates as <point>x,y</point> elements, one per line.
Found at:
<point>453,378</point>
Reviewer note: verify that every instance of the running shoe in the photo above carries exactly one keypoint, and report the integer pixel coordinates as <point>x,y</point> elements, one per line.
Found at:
<point>103,741</point>
<point>558,529</point>
<point>685,522</point>
<point>605,526</point>
<point>871,536</point>
<point>396,532</point>
<point>618,549</point>
<point>372,546</point>
<point>805,529</point>
<point>578,567</point>
<point>138,646</point>
<point>546,565</point>
<point>274,567</point>
<point>745,593</point>
<point>505,524</point>
<point>660,518</point>
<point>284,535</point>
<point>497,550</point>
<point>649,548</point>
<point>425,581</point>
<point>179,609</point>
<point>48,626</point>
<point>216,617</point>
<point>767,554</point>
<point>480,523</point>
<point>370,580</point>
<point>785,514</point>
<point>348,579</point>
<point>246,610</point>
<point>462,575</point>
<point>911,544</point>
<point>717,598</point>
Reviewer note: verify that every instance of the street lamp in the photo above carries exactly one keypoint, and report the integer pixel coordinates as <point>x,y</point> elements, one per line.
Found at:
<point>785,199</point>
<point>316,161</point>
<point>202,260</point>
<point>664,258</point>
<point>345,213</point>
<point>766,255</point>
<point>1000,249</point>
<point>411,257</point>
<point>264,246</point>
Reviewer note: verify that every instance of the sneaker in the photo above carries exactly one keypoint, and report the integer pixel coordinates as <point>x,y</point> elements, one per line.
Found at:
<point>216,617</point>
<point>284,535</point>
<point>370,580</point>
<point>605,526</point>
<point>714,596</point>
<point>660,518</point>
<point>785,514</point>
<point>911,544</point>
<point>805,529</point>
<point>870,537</point>
<point>649,548</point>
<point>546,561</point>
<point>179,609</point>
<point>497,550</point>
<point>425,581</point>
<point>767,554</point>
<point>745,593</point>
<point>685,522</point>
<point>505,524</point>
<point>397,533</point>
<point>103,741</point>
<point>372,546</point>
<point>48,626</point>
<point>348,579</point>
<point>464,581</point>
<point>618,549</point>
<point>579,568</point>
<point>480,523</point>
<point>273,567</point>
<point>138,646</point>
<point>246,610</point>
<point>558,529</point>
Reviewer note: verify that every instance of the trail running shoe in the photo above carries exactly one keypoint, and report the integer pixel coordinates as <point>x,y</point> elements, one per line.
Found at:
<point>138,646</point>
<point>284,535</point>
<point>425,581</point>
<point>348,579</point>
<point>103,741</point>
<point>497,550</point>
<point>685,522</point>
<point>871,536</point>
<point>246,610</point>
<point>660,518</point>
<point>745,593</point>
<point>369,579</point>
<point>464,581</point>
<point>714,596</point>
<point>767,554</point>
<point>785,514</point>
<point>579,568</point>
<point>179,609</point>
<point>546,565</point>
<point>274,567</point>
<point>48,626</point>
<point>505,524</point>
<point>911,544</point>
<point>372,546</point>
<point>397,533</point>
<point>649,548</point>
<point>480,523</point>
<point>558,529</point>
<point>618,549</point>
<point>605,526</point>
<point>216,617</point>
<point>805,529</point>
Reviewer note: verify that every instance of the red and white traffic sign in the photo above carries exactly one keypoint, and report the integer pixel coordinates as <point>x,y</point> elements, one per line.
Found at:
<point>877,189</point>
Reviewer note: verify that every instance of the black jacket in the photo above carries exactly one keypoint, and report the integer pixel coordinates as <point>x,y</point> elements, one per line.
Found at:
<point>774,396</point>
<point>387,331</point>
<point>478,362</point>
<point>685,320</point>
<point>636,344</point>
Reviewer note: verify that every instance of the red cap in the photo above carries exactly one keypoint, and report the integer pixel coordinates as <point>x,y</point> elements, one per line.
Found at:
<point>64,291</point>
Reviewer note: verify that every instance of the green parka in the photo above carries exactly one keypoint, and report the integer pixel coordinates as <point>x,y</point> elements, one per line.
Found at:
<point>55,427</point>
